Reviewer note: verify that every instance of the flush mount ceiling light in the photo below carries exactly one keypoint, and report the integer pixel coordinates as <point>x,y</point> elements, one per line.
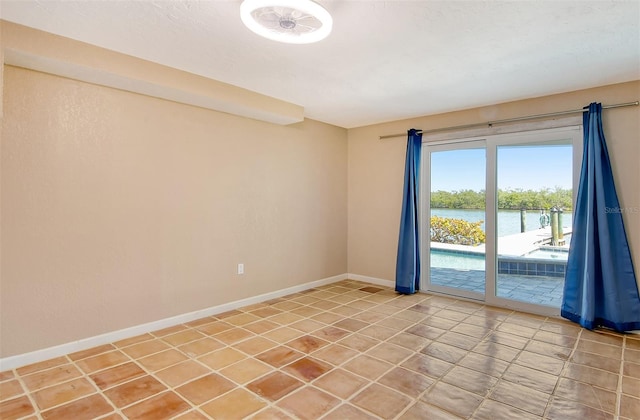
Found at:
<point>291,21</point>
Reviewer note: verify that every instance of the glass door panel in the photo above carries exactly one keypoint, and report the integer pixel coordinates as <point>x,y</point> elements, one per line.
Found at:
<point>534,201</point>
<point>456,219</point>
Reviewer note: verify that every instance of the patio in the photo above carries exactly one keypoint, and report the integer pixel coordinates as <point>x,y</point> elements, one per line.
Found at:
<point>542,290</point>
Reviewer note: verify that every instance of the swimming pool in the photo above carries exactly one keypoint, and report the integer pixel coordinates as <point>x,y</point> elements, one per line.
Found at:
<point>537,263</point>
<point>456,259</point>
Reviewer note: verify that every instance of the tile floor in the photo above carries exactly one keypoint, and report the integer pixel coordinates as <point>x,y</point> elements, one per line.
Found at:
<point>349,350</point>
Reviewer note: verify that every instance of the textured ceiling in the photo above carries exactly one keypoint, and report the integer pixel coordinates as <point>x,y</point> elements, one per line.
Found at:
<point>384,60</point>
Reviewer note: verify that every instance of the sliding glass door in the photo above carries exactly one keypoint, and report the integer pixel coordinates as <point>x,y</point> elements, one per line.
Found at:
<point>456,217</point>
<point>497,215</point>
<point>535,202</point>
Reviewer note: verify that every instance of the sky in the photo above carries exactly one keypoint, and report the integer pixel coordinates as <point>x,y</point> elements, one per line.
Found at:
<point>526,167</point>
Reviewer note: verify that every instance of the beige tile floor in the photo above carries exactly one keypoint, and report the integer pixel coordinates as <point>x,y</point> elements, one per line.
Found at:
<point>348,350</point>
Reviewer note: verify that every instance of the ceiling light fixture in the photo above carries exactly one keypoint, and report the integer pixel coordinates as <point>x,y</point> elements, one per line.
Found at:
<point>291,21</point>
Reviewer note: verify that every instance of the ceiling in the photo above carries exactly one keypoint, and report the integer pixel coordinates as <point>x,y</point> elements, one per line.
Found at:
<point>384,60</point>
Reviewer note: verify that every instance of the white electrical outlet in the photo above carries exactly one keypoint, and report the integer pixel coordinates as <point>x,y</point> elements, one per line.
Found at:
<point>240,268</point>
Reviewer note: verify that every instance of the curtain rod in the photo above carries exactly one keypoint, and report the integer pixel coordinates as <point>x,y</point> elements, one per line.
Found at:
<point>508,120</point>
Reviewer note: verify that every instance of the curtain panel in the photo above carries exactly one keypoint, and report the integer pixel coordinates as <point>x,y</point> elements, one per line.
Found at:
<point>600,284</point>
<point>408,260</point>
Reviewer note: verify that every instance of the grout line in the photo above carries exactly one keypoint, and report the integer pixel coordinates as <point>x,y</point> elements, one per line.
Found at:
<point>618,407</point>
<point>28,394</point>
<point>566,365</point>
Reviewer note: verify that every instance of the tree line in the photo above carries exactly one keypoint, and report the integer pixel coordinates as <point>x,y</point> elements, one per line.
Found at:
<point>511,199</point>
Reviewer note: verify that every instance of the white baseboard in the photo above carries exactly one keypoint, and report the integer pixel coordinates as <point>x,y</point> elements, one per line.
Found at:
<point>374,280</point>
<point>13,362</point>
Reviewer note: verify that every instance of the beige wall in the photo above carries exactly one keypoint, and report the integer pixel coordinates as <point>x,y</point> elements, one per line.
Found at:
<point>376,169</point>
<point>120,209</point>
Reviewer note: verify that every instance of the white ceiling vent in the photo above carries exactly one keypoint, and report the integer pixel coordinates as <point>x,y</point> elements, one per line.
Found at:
<point>291,21</point>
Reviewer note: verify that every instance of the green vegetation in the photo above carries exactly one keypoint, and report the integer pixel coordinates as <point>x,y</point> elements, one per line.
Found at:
<point>512,199</point>
<point>456,231</point>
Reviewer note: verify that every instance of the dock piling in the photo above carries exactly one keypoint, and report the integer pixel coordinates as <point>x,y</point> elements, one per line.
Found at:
<point>560,233</point>
<point>554,227</point>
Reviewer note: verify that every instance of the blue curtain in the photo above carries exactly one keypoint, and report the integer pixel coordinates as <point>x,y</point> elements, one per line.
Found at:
<point>408,261</point>
<point>600,285</point>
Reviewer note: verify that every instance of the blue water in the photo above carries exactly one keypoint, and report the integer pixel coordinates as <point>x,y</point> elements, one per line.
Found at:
<point>508,220</point>
<point>446,259</point>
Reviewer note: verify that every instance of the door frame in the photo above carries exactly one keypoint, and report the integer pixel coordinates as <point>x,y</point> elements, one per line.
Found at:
<point>574,133</point>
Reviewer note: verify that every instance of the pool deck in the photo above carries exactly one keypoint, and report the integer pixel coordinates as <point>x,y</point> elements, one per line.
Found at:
<point>518,244</point>
<point>541,290</point>
<point>531,289</point>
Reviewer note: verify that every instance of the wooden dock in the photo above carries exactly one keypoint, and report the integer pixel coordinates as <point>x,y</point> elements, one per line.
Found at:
<point>520,244</point>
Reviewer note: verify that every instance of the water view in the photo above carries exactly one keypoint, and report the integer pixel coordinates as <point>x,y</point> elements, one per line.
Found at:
<point>508,220</point>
